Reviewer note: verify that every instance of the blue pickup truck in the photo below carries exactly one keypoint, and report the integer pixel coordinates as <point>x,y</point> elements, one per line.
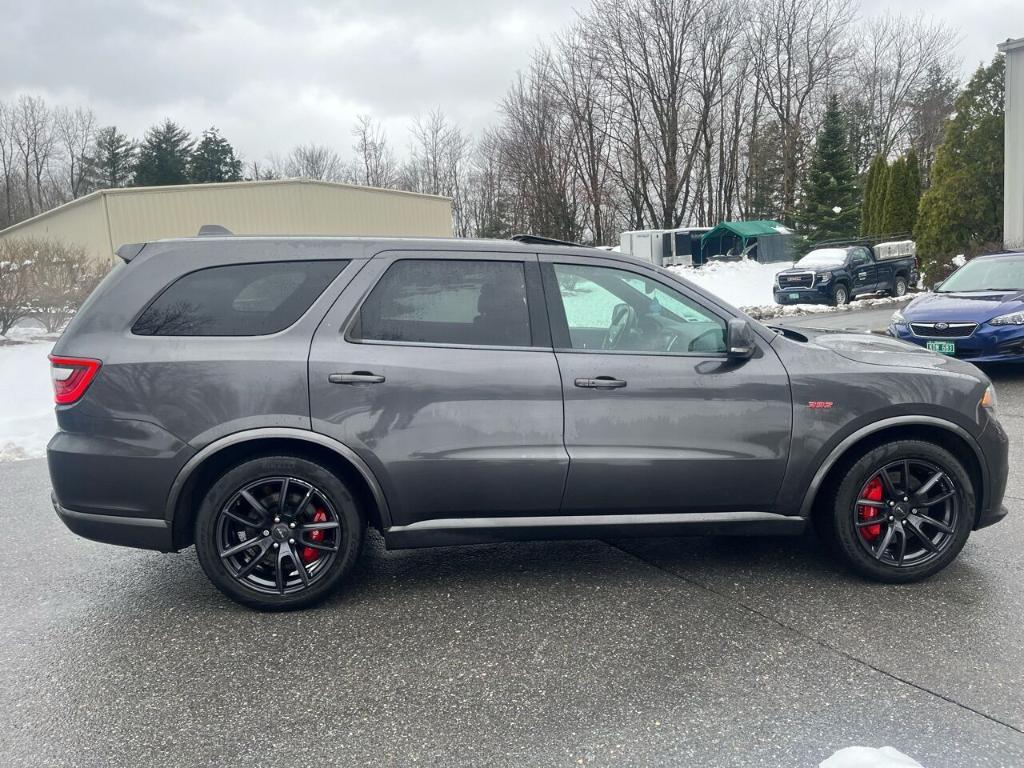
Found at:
<point>837,275</point>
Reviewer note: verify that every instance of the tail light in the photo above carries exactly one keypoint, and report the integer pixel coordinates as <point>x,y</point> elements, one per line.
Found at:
<point>71,376</point>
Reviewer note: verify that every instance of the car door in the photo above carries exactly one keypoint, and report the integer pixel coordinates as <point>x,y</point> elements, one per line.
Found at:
<point>864,272</point>
<point>657,418</point>
<point>437,370</point>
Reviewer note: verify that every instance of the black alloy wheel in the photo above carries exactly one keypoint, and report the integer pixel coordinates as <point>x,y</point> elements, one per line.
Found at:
<point>902,511</point>
<point>278,532</point>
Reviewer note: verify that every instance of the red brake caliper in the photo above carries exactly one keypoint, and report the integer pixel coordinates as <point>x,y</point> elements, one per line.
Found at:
<point>872,492</point>
<point>309,554</point>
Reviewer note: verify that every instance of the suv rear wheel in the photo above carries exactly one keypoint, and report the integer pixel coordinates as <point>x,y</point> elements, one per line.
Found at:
<point>278,533</point>
<point>903,512</point>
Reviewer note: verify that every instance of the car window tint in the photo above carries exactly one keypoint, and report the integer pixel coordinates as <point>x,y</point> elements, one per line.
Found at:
<point>237,299</point>
<point>613,309</point>
<point>447,301</point>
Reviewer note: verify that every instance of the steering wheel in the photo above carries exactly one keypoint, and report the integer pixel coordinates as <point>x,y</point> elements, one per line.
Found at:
<point>623,323</point>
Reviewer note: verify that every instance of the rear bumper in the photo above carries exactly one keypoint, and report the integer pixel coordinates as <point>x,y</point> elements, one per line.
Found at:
<point>140,532</point>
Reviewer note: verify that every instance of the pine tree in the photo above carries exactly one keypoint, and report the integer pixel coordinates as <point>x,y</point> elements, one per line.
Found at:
<point>164,156</point>
<point>878,193</point>
<point>896,210</point>
<point>963,207</point>
<point>875,177</point>
<point>113,159</point>
<point>831,183</point>
<point>913,187</point>
<point>213,159</point>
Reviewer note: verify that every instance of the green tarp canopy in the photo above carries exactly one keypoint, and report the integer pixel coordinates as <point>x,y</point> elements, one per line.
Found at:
<point>746,229</point>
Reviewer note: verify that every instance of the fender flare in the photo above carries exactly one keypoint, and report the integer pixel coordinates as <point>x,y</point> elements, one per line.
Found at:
<point>264,433</point>
<point>895,421</point>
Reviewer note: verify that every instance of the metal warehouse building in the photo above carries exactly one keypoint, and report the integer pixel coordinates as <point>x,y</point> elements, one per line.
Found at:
<point>1013,187</point>
<point>104,220</point>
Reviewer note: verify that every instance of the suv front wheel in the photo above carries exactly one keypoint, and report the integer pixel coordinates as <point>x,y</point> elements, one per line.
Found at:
<point>903,511</point>
<point>278,533</point>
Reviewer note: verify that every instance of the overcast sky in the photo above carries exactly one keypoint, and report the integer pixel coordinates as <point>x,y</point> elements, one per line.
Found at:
<point>274,73</point>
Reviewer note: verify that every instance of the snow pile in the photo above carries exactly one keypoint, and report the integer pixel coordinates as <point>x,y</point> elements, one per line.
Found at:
<point>958,261</point>
<point>867,757</point>
<point>741,283</point>
<point>750,286</point>
<point>26,398</point>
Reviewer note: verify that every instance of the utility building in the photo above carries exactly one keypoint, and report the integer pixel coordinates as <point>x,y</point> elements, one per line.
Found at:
<point>104,220</point>
<point>1013,173</point>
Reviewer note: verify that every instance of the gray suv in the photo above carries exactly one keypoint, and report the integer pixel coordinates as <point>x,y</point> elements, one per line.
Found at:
<point>267,399</point>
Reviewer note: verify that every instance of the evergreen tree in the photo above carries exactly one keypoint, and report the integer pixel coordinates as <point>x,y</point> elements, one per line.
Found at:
<point>878,193</point>
<point>213,159</point>
<point>113,159</point>
<point>831,183</point>
<point>900,201</point>
<point>913,187</point>
<point>164,156</point>
<point>963,207</point>
<point>875,176</point>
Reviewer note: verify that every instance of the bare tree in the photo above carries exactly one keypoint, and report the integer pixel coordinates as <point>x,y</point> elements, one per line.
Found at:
<point>375,160</point>
<point>61,277</point>
<point>7,164</point>
<point>15,282</point>
<point>35,141</point>
<point>438,163</point>
<point>75,132</point>
<point>800,48</point>
<point>314,161</point>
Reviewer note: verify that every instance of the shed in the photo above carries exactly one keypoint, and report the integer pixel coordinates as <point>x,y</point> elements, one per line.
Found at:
<point>103,220</point>
<point>760,240</point>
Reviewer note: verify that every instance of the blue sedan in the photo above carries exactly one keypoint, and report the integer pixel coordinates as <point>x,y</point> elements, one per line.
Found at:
<point>976,314</point>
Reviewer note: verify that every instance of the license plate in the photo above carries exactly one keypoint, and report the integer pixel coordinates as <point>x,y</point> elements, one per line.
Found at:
<point>942,347</point>
<point>794,295</point>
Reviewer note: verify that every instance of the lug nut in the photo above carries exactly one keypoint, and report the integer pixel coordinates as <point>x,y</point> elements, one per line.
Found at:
<point>278,519</point>
<point>276,545</point>
<point>291,525</point>
<point>892,503</point>
<point>266,533</point>
<point>891,518</point>
<point>291,541</point>
<point>906,498</point>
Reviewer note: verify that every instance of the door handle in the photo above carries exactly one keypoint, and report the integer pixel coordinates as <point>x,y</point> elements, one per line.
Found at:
<point>356,377</point>
<point>601,382</point>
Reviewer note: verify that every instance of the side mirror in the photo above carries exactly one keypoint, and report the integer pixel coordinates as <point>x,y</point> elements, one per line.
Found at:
<point>739,340</point>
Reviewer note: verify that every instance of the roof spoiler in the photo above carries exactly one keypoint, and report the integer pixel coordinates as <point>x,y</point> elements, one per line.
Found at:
<point>539,240</point>
<point>129,251</point>
<point>214,230</point>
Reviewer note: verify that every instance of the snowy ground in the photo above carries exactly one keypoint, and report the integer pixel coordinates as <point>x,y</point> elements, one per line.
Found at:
<point>26,395</point>
<point>749,286</point>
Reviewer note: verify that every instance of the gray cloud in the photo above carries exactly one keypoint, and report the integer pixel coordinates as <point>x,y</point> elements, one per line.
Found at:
<point>272,74</point>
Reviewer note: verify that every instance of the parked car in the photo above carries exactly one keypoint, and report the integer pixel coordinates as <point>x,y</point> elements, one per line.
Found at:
<point>840,274</point>
<point>267,399</point>
<point>977,314</point>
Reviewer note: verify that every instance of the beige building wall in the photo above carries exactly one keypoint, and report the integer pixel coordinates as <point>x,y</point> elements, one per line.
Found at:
<point>107,219</point>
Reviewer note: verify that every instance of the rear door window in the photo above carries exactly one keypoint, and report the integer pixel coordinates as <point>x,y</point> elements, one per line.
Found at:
<point>447,301</point>
<point>237,299</point>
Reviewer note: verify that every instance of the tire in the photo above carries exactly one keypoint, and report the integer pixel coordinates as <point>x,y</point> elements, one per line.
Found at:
<point>858,541</point>
<point>899,286</point>
<point>326,537</point>
<point>840,295</point>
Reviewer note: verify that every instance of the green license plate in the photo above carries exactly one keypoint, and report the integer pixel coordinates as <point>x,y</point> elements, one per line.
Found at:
<point>794,295</point>
<point>942,347</point>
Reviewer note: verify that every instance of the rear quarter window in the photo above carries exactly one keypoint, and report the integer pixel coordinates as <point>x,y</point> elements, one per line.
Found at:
<point>237,299</point>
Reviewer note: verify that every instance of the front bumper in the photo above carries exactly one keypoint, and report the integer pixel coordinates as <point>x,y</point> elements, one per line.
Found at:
<point>817,295</point>
<point>988,344</point>
<point>140,532</point>
<point>995,448</point>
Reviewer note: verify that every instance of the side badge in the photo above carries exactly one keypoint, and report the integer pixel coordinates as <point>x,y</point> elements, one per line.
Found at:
<point>820,404</point>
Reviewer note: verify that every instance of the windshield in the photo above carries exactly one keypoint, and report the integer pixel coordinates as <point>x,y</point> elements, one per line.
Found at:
<point>824,257</point>
<point>987,275</point>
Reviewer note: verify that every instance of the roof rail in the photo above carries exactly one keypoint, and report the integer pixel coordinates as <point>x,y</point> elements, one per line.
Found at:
<point>539,240</point>
<point>214,230</point>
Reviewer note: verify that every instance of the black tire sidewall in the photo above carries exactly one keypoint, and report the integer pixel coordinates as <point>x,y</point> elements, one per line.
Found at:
<point>835,295</point>
<point>352,519</point>
<point>844,535</point>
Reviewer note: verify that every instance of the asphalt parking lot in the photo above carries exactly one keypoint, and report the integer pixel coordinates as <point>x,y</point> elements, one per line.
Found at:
<point>682,652</point>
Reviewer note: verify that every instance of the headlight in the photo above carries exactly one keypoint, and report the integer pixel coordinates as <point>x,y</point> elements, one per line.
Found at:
<point>988,400</point>
<point>897,318</point>
<point>824,277</point>
<point>1014,318</point>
